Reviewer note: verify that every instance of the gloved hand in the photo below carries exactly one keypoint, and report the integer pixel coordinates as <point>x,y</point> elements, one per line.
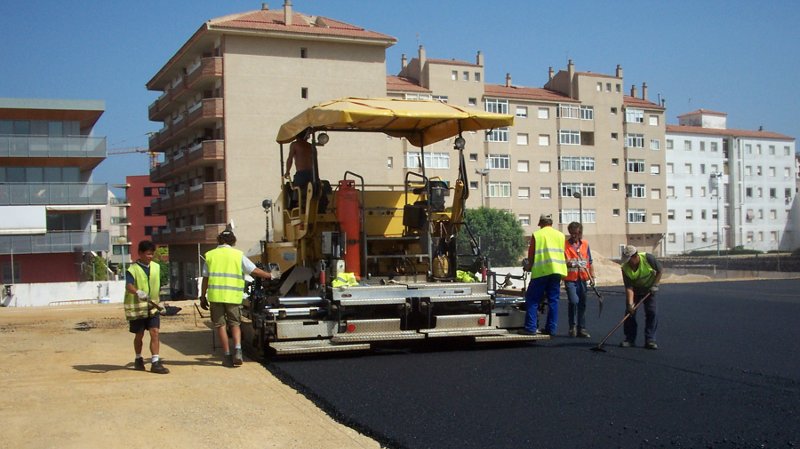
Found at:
<point>654,289</point>
<point>275,274</point>
<point>142,294</point>
<point>629,308</point>
<point>582,264</point>
<point>592,281</point>
<point>203,303</point>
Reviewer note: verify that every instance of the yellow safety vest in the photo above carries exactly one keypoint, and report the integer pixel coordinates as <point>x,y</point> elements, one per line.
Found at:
<point>225,277</point>
<point>643,277</point>
<point>344,280</point>
<point>135,308</point>
<point>549,256</point>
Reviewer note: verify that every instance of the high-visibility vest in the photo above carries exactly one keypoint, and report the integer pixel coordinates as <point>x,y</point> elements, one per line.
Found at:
<point>582,254</point>
<point>136,308</point>
<point>344,280</point>
<point>548,257</point>
<point>225,277</point>
<point>643,277</point>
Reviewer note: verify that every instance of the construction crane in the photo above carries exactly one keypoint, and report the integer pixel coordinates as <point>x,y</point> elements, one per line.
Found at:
<point>133,150</point>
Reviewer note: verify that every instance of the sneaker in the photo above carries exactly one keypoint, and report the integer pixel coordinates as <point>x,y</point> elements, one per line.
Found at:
<point>227,360</point>
<point>547,332</point>
<point>158,368</point>
<point>583,334</point>
<point>625,344</point>
<point>237,358</point>
<point>573,331</point>
<point>524,331</point>
<point>138,364</point>
<point>651,345</point>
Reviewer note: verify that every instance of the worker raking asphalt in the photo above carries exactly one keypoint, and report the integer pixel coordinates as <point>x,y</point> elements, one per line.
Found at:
<point>726,375</point>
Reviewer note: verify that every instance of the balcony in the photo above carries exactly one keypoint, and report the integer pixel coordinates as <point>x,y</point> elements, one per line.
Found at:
<point>205,234</point>
<point>201,194</point>
<point>201,113</point>
<point>91,150</point>
<point>209,70</point>
<point>207,152</point>
<point>23,193</point>
<point>55,242</point>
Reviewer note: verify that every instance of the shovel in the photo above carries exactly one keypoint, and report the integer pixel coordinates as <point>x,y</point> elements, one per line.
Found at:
<point>599,347</point>
<point>594,287</point>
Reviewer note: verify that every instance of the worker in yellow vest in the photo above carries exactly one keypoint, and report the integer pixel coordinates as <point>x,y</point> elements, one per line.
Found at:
<point>142,286</point>
<point>641,274</point>
<point>223,288</point>
<point>548,265</point>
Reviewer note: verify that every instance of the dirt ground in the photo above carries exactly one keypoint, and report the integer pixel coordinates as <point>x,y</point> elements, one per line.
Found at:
<point>68,382</point>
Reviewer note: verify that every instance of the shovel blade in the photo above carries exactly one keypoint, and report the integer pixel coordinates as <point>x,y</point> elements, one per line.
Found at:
<point>598,349</point>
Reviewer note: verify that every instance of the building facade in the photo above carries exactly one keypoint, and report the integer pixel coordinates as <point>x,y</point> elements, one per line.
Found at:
<point>49,204</point>
<point>728,188</point>
<point>134,220</point>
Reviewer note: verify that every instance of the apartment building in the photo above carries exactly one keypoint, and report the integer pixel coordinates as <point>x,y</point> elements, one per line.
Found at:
<point>728,188</point>
<point>49,204</point>
<point>223,95</point>
<point>580,148</point>
<point>135,220</point>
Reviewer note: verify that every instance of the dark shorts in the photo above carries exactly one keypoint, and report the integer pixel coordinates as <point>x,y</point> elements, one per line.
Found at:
<point>142,324</point>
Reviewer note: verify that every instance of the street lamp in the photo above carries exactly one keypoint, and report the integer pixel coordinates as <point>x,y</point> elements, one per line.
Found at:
<point>715,176</point>
<point>580,205</point>
<point>483,173</point>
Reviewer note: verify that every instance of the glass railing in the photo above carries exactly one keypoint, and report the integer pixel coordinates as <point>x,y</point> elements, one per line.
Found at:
<point>44,146</point>
<point>23,193</point>
<point>55,242</point>
<point>118,201</point>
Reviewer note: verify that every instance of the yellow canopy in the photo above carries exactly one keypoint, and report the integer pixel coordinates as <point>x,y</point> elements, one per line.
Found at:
<point>422,122</point>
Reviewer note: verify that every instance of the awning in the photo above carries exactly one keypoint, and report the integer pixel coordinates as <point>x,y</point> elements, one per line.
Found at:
<point>421,122</point>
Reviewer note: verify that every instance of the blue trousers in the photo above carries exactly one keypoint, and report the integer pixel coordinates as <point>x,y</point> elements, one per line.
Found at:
<point>650,319</point>
<point>576,311</point>
<point>549,285</point>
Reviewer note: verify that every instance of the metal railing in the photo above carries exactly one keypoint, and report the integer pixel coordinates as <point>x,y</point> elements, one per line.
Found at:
<point>24,193</point>
<point>46,146</point>
<point>55,242</point>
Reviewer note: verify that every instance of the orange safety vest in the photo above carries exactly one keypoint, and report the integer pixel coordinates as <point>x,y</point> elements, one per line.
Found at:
<point>575,273</point>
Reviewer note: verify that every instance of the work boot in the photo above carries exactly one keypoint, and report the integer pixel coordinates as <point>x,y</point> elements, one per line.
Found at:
<point>583,334</point>
<point>227,360</point>
<point>158,368</point>
<point>524,331</point>
<point>573,331</point>
<point>651,345</point>
<point>625,344</point>
<point>138,364</point>
<point>237,358</point>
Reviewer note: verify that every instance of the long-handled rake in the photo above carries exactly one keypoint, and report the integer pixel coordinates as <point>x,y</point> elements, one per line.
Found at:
<point>599,347</point>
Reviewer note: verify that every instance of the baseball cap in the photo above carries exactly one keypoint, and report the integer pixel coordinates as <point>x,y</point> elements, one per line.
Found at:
<point>545,217</point>
<point>627,252</point>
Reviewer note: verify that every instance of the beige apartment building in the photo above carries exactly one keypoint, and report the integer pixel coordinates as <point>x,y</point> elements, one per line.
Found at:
<point>229,87</point>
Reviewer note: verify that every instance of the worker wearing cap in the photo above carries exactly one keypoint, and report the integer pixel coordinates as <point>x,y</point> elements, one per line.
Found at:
<point>223,283</point>
<point>641,273</point>
<point>548,265</point>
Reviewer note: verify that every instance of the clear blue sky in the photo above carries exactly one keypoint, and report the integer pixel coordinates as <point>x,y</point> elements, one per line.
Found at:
<point>732,56</point>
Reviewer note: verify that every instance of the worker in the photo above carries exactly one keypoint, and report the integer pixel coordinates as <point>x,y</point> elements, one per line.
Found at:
<point>142,287</point>
<point>641,274</point>
<point>301,154</point>
<point>548,265</point>
<point>223,282</point>
<point>579,272</point>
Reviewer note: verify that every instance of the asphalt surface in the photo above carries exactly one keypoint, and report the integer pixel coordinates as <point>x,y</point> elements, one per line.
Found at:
<point>727,375</point>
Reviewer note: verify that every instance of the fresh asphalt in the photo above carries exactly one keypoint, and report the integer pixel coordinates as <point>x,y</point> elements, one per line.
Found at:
<point>727,375</point>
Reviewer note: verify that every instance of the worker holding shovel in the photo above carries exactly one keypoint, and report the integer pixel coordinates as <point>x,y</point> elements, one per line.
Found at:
<point>641,273</point>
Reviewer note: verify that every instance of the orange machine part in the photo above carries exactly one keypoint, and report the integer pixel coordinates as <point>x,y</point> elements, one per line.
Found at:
<point>348,214</point>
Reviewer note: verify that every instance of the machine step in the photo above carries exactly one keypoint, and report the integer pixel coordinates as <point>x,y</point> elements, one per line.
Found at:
<point>377,336</point>
<point>314,347</point>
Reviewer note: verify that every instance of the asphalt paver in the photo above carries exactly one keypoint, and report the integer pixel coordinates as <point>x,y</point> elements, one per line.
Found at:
<point>726,375</point>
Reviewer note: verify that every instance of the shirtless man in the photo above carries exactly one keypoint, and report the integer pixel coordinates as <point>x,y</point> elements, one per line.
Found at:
<point>300,152</point>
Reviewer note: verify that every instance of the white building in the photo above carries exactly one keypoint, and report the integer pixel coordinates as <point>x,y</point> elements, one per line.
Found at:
<point>755,172</point>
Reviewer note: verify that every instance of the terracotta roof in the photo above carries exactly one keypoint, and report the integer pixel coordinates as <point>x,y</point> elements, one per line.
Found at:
<point>273,20</point>
<point>525,93</point>
<point>627,100</point>
<point>704,111</point>
<point>683,129</point>
<point>403,84</point>
<point>451,62</point>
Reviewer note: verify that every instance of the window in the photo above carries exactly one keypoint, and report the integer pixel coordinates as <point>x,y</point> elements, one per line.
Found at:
<point>687,145</point>
<point>497,106</point>
<point>634,140</point>
<point>714,146</point>
<point>772,171</point>
<point>635,190</point>
<point>148,211</point>
<point>687,168</point>
<point>587,189</point>
<point>599,86</point>
<point>148,191</point>
<point>544,140</point>
<point>544,166</point>
<point>689,191</point>
<point>772,150</point>
<point>637,216</point>
<point>702,169</point>
<point>522,139</point>
<point>655,169</point>
<point>587,113</point>
<point>773,236</point>
<point>689,214</point>
<point>498,189</point>
<point>614,161</point>
<point>148,230</point>
<point>568,111</point>
<point>655,144</point>
<point>614,136</point>
<point>465,75</point>
<point>613,110</point>
<point>671,214</point>
<point>524,219</point>
<point>544,193</point>
<point>773,193</point>
<point>570,215</point>
<point>655,194</point>
<point>523,193</point>
<point>758,170</point>
<point>634,115</point>
<point>473,185</point>
<point>670,192</point>
<point>786,151</point>
<point>498,162</point>
<point>703,191</point>
<point>615,212</point>
<point>576,163</point>
<point>472,101</point>
<point>634,165</point>
<point>389,162</point>
<point>497,135</point>
<point>522,112</point>
<point>748,170</point>
<point>432,160</point>
<point>569,137</point>
<point>544,113</point>
<point>440,98</point>
<point>478,76</point>
<point>671,238</point>
<point>454,75</point>
<point>669,144</point>
<point>702,146</point>
<point>615,186</point>
<point>303,53</point>
<point>690,237</point>
<point>473,157</point>
<point>7,270</point>
<point>773,214</point>
<point>655,219</point>
<point>652,120</point>
<point>523,166</point>
<point>748,192</point>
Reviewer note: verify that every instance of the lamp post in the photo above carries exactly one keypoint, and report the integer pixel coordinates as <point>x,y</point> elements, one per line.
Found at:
<point>483,173</point>
<point>716,177</point>
<point>580,206</point>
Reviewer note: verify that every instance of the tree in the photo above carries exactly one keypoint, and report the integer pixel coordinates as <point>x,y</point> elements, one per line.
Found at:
<point>94,268</point>
<point>161,256</point>
<point>501,237</point>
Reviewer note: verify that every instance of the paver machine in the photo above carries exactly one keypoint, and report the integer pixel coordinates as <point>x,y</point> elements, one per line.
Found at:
<point>366,262</point>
